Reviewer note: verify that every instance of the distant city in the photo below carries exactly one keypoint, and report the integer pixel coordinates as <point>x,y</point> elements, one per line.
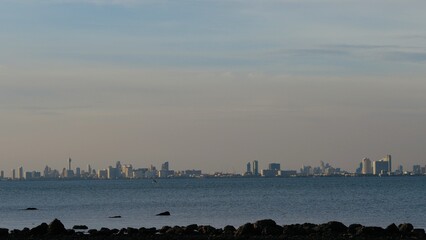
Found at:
<point>381,167</point>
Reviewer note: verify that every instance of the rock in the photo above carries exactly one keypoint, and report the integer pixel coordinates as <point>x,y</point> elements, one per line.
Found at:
<point>147,231</point>
<point>118,216</point>
<point>229,230</point>
<point>371,232</point>
<point>207,230</point>
<point>56,228</point>
<point>132,231</point>
<point>164,229</point>
<point>392,230</point>
<point>40,230</point>
<point>80,227</point>
<point>294,230</point>
<point>264,223</point>
<point>334,227</point>
<point>167,213</point>
<point>93,232</point>
<point>268,227</point>
<point>405,228</point>
<point>354,228</point>
<point>419,233</point>
<point>4,232</point>
<point>31,209</point>
<point>176,230</point>
<point>190,229</point>
<point>245,230</point>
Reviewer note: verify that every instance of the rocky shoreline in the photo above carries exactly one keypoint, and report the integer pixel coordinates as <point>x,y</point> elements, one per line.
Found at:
<point>263,229</point>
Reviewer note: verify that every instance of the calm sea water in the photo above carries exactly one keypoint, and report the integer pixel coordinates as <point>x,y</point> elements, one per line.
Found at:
<point>217,202</point>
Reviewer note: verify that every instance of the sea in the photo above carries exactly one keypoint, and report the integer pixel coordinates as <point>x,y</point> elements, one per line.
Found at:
<point>373,201</point>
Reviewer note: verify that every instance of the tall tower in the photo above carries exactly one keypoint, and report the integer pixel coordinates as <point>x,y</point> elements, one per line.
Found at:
<point>389,159</point>
<point>69,164</point>
<point>366,166</point>
<point>248,168</point>
<point>255,167</point>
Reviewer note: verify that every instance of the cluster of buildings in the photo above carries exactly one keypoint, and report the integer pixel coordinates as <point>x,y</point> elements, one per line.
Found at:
<point>381,167</point>
<point>119,171</point>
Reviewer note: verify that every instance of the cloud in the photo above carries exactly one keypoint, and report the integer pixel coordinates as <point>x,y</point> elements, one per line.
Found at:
<point>416,57</point>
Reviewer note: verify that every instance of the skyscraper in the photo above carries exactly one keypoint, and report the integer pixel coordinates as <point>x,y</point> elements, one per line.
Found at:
<point>366,166</point>
<point>21,173</point>
<point>256,168</point>
<point>248,171</point>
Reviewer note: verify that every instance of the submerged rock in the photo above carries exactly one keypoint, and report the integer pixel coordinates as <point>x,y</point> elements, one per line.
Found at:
<point>118,216</point>
<point>167,213</point>
<point>80,227</point>
<point>31,209</point>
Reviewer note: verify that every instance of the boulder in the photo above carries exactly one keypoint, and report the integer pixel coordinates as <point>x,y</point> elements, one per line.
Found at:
<point>418,233</point>
<point>118,216</point>
<point>164,229</point>
<point>147,231</point>
<point>132,231</point>
<point>353,229</point>
<point>40,230</point>
<point>167,213</point>
<point>191,229</point>
<point>245,230</point>
<point>229,230</point>
<point>4,232</point>
<point>405,228</point>
<point>56,228</point>
<point>268,227</point>
<point>293,230</point>
<point>333,227</point>
<point>392,230</point>
<point>371,232</point>
<point>207,230</point>
<point>80,227</point>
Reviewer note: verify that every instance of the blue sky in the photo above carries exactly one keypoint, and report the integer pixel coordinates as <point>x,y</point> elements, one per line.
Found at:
<point>211,84</point>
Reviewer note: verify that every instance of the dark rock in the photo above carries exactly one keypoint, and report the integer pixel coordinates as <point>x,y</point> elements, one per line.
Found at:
<point>229,230</point>
<point>118,216</point>
<point>56,228</point>
<point>246,230</point>
<point>40,230</point>
<point>93,232</point>
<point>405,228</point>
<point>207,230</point>
<point>334,227</point>
<point>132,231</point>
<point>191,229</point>
<point>294,230</point>
<point>80,227</point>
<point>354,228</point>
<point>4,232</point>
<point>70,231</point>
<point>310,228</point>
<point>176,230</point>
<point>268,227</point>
<point>264,223</point>
<point>371,232</point>
<point>104,232</point>
<point>392,230</point>
<point>418,233</point>
<point>164,229</point>
<point>147,231</point>
<point>167,213</point>
<point>31,209</point>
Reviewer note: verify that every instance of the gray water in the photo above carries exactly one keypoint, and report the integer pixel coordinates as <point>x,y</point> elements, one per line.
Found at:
<point>217,202</point>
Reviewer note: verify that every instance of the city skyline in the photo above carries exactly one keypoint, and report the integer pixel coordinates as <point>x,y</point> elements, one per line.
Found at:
<point>212,84</point>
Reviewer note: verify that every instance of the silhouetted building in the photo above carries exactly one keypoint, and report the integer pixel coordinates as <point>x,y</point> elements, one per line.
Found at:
<point>256,168</point>
<point>366,166</point>
<point>274,166</point>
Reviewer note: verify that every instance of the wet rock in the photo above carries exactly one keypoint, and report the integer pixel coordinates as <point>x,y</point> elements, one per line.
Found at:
<point>167,213</point>
<point>80,227</point>
<point>4,232</point>
<point>40,230</point>
<point>405,228</point>
<point>118,216</point>
<point>176,230</point>
<point>31,209</point>
<point>392,230</point>
<point>245,230</point>
<point>56,228</point>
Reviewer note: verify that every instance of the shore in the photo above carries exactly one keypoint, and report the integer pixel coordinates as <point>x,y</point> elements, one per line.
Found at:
<point>263,229</point>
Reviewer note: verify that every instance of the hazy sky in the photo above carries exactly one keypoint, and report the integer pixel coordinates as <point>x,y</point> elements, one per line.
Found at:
<point>211,84</point>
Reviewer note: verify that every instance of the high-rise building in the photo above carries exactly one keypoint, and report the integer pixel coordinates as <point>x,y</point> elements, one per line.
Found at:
<point>366,166</point>
<point>13,174</point>
<point>21,173</point>
<point>165,166</point>
<point>380,167</point>
<point>1,174</point>
<point>256,168</point>
<point>248,170</point>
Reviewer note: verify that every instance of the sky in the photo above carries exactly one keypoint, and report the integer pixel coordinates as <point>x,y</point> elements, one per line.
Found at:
<point>211,85</point>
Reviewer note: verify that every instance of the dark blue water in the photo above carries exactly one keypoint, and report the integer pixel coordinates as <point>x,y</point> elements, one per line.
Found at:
<point>218,202</point>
